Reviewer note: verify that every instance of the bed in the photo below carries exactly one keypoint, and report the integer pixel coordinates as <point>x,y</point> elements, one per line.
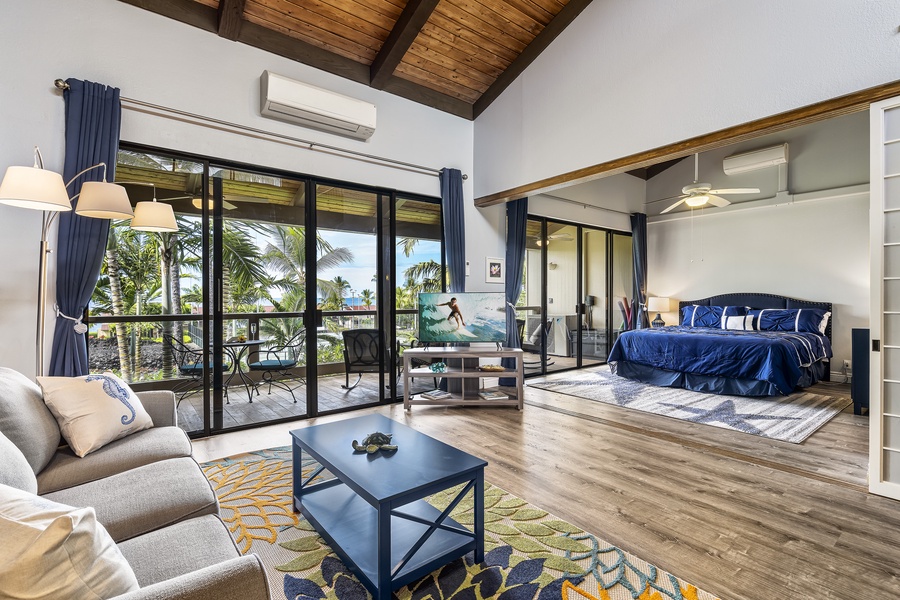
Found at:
<point>761,345</point>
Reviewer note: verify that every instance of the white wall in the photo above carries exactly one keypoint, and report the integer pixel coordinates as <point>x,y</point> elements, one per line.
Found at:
<point>159,60</point>
<point>816,250</point>
<point>821,156</point>
<point>626,77</point>
<point>606,202</point>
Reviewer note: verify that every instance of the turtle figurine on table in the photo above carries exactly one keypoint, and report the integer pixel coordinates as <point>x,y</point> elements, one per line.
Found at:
<point>374,442</point>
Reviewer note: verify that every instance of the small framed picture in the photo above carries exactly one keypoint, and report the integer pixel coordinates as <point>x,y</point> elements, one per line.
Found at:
<point>494,270</point>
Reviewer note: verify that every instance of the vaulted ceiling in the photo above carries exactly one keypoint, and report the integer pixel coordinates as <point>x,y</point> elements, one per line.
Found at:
<point>453,55</point>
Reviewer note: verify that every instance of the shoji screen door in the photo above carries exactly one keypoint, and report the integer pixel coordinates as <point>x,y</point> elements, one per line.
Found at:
<point>884,214</point>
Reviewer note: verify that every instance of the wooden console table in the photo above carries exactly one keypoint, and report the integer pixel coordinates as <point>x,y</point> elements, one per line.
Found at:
<point>464,366</point>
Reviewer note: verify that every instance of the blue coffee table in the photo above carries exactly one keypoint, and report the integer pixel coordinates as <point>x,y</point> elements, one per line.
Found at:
<point>373,513</point>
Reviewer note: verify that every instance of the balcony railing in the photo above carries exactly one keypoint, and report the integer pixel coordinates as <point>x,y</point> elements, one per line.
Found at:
<point>145,358</point>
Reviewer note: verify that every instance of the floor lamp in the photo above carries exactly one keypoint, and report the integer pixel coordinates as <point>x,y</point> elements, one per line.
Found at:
<point>39,189</point>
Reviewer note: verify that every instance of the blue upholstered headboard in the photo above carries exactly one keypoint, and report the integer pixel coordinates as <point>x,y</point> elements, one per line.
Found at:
<point>761,301</point>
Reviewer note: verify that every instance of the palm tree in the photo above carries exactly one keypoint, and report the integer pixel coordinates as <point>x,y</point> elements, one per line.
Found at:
<point>286,254</point>
<point>117,304</point>
<point>367,297</point>
<point>407,245</point>
<point>425,276</point>
<point>341,287</point>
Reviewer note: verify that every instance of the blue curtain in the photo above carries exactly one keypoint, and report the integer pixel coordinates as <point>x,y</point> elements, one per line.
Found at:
<point>93,119</point>
<point>516,218</point>
<point>639,256</point>
<point>454,227</point>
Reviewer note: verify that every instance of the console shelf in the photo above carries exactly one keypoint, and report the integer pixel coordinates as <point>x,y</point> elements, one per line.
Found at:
<point>466,361</point>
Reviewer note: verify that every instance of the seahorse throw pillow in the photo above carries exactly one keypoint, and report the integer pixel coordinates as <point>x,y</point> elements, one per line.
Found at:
<point>93,410</point>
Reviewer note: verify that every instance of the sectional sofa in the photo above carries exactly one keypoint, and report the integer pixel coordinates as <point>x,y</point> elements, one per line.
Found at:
<point>146,490</point>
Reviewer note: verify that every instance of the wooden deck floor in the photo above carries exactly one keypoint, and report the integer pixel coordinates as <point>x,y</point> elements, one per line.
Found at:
<point>744,517</point>
<point>239,411</point>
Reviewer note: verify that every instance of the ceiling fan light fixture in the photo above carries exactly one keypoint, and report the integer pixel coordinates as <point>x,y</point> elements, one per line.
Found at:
<point>695,201</point>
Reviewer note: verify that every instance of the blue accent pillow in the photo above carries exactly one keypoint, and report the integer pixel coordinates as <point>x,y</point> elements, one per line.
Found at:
<point>709,316</point>
<point>810,320</point>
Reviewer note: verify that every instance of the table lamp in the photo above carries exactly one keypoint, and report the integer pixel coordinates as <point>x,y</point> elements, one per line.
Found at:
<point>658,305</point>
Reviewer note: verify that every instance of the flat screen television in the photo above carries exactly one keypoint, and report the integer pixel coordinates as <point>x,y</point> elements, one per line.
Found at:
<point>462,317</point>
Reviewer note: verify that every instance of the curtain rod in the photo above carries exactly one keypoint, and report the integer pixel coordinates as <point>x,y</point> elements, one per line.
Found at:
<point>180,115</point>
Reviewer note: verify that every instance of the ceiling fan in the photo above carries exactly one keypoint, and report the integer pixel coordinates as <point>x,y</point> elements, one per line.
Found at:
<point>697,194</point>
<point>563,237</point>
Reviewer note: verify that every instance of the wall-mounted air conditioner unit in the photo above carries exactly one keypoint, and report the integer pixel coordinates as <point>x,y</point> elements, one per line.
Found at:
<point>757,159</point>
<point>307,105</point>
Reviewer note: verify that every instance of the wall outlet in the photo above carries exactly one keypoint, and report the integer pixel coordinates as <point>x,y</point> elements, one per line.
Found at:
<point>847,365</point>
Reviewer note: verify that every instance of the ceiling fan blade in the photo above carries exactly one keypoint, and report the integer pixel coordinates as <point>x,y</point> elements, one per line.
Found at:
<point>669,198</point>
<point>717,200</point>
<point>673,206</point>
<point>735,191</point>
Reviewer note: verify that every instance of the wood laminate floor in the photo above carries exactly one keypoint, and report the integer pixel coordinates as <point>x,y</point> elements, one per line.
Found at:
<point>741,516</point>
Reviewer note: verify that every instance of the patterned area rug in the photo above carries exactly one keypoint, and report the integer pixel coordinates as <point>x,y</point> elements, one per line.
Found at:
<point>529,553</point>
<point>788,418</point>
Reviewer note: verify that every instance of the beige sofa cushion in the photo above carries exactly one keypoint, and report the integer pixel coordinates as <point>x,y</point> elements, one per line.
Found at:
<point>55,551</point>
<point>93,410</point>
<point>139,449</point>
<point>14,469</point>
<point>146,498</point>
<point>210,544</point>
<point>26,420</point>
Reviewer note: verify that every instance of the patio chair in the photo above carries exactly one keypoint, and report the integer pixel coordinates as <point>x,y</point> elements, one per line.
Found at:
<point>362,354</point>
<point>276,363</point>
<point>190,365</point>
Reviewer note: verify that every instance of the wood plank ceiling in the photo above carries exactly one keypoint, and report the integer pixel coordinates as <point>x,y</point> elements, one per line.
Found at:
<point>453,55</point>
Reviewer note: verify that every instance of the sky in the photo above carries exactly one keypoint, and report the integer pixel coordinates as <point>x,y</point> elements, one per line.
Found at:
<point>363,246</point>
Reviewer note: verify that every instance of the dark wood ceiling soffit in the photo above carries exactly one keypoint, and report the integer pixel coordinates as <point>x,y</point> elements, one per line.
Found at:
<point>647,173</point>
<point>208,18</point>
<point>231,16</point>
<point>835,107</point>
<point>530,53</point>
<point>380,43</point>
<point>404,33</point>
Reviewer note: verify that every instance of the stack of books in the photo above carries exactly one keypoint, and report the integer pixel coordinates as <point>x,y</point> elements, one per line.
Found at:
<point>437,395</point>
<point>493,395</point>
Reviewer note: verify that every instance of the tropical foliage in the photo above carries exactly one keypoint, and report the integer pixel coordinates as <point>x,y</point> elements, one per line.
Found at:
<point>160,273</point>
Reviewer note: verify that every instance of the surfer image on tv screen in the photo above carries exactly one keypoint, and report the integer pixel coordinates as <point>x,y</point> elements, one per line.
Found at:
<point>455,313</point>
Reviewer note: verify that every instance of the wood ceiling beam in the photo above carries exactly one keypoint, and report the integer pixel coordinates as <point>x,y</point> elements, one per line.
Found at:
<point>186,11</point>
<point>289,47</point>
<point>207,18</point>
<point>428,97</point>
<point>827,109</point>
<point>231,18</point>
<point>531,52</point>
<point>403,34</point>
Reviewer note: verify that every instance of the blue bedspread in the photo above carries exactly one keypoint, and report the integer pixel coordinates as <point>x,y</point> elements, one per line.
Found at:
<point>776,357</point>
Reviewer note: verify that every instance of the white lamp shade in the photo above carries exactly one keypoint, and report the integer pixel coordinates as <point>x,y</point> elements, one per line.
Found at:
<point>154,216</point>
<point>658,305</point>
<point>31,187</point>
<point>102,200</point>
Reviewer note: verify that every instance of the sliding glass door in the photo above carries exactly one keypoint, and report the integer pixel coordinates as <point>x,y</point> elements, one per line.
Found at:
<point>274,300</point>
<point>349,344</point>
<point>574,278</point>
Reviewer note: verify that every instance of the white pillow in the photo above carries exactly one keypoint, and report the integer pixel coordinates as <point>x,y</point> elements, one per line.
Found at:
<point>823,324</point>
<point>742,323</point>
<point>51,550</point>
<point>93,410</point>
